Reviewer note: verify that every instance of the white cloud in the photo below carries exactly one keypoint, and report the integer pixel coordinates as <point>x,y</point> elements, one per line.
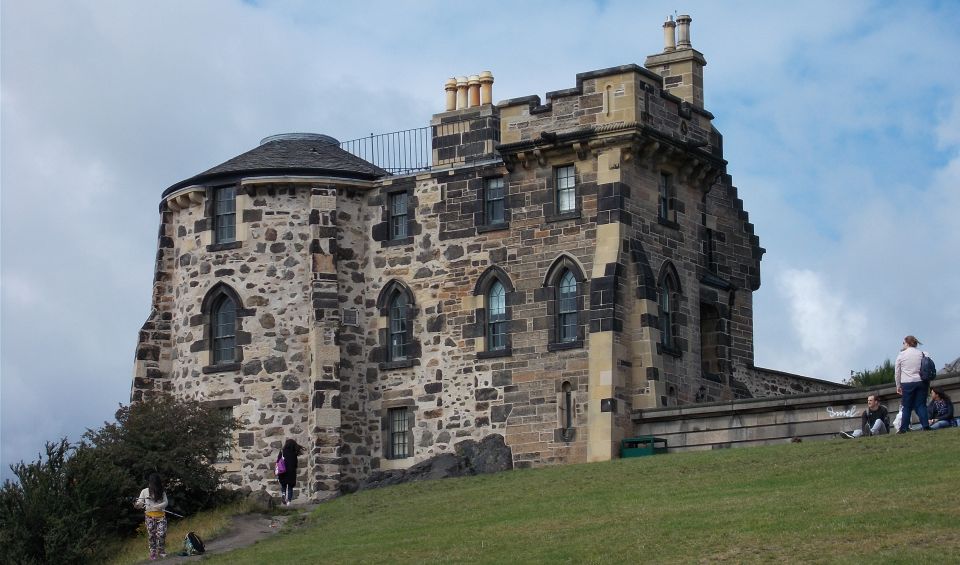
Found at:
<point>827,111</point>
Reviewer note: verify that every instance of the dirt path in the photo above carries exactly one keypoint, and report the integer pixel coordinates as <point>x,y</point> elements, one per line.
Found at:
<point>245,530</point>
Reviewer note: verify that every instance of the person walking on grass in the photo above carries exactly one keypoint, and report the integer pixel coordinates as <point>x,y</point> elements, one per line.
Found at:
<point>940,409</point>
<point>910,386</point>
<point>153,501</point>
<point>874,421</point>
<point>288,478</point>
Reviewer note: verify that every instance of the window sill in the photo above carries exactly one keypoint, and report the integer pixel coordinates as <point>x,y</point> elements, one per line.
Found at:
<point>506,352</point>
<point>403,364</point>
<point>668,223</point>
<point>221,368</point>
<point>564,345</point>
<point>398,242</point>
<point>572,215</point>
<point>493,227</point>
<point>225,246</point>
<point>669,350</point>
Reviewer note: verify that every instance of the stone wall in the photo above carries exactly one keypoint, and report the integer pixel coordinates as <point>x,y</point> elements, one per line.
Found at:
<point>760,421</point>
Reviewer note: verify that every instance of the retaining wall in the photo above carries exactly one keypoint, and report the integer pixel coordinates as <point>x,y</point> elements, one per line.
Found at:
<point>762,421</point>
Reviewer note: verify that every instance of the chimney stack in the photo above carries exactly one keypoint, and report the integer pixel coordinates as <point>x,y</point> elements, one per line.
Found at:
<point>680,65</point>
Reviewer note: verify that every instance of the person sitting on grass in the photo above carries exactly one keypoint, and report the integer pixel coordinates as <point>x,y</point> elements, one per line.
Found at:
<point>940,409</point>
<point>874,421</point>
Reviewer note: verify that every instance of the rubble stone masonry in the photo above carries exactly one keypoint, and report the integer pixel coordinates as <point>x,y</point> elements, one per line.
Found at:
<point>316,265</point>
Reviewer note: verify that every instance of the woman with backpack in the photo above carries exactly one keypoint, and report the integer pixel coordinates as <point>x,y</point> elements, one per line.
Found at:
<point>910,386</point>
<point>153,501</point>
<point>286,468</point>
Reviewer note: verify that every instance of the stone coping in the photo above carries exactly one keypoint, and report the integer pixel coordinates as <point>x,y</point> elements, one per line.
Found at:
<point>842,398</point>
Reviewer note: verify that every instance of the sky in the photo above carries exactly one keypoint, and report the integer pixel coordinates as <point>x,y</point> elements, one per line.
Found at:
<point>841,124</point>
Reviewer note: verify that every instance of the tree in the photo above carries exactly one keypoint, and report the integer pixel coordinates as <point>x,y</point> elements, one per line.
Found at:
<point>55,512</point>
<point>63,506</point>
<point>882,374</point>
<point>179,439</point>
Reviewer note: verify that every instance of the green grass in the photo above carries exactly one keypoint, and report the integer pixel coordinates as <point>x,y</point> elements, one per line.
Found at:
<point>888,499</point>
<point>208,525</point>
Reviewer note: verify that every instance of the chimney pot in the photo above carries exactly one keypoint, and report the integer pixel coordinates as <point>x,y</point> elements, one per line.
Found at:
<point>669,35</point>
<point>683,32</point>
<point>450,89</point>
<point>473,89</point>
<point>461,93</point>
<point>486,87</point>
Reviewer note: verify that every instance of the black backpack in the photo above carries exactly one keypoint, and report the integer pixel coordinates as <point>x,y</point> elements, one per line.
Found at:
<point>192,544</point>
<point>928,369</point>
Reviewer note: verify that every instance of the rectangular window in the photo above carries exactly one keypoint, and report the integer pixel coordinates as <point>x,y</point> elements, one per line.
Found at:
<point>566,189</point>
<point>398,215</point>
<point>225,214</point>
<point>225,453</point>
<point>399,430</point>
<point>493,201</point>
<point>664,200</point>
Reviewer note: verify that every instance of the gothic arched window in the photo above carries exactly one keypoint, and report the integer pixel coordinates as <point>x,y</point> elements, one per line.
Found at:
<point>668,291</point>
<point>224,325</point>
<point>496,317</point>
<point>567,311</point>
<point>565,291</point>
<point>398,328</point>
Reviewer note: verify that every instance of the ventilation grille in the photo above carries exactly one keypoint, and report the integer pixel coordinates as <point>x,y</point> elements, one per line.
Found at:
<point>350,317</point>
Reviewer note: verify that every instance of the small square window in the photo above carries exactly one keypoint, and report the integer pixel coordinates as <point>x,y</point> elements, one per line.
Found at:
<point>566,189</point>
<point>493,201</point>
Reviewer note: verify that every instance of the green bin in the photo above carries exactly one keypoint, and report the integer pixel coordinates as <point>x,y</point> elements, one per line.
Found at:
<point>641,446</point>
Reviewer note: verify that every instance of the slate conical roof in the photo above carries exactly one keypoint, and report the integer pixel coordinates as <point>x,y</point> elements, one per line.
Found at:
<point>308,154</point>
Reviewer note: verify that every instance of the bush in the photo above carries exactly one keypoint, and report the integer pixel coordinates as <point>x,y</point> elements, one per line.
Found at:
<point>64,507</point>
<point>179,439</point>
<point>47,517</point>
<point>882,374</point>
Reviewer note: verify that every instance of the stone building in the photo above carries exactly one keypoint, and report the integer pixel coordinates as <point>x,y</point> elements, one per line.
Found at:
<point>556,267</point>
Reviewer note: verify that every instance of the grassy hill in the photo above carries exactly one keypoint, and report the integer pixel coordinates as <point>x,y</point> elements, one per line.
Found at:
<point>893,499</point>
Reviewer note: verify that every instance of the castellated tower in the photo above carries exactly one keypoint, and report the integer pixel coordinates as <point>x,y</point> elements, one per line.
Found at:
<point>555,267</point>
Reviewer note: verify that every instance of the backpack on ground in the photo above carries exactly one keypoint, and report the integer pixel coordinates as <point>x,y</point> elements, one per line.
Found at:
<point>928,369</point>
<point>192,544</point>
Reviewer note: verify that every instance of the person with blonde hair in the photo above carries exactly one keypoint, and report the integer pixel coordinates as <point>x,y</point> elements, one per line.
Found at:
<point>910,386</point>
